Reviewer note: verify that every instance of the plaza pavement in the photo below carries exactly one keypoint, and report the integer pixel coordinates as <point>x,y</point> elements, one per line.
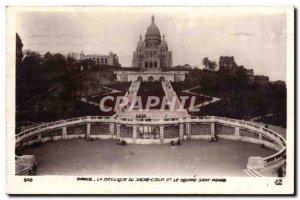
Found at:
<point>104,158</point>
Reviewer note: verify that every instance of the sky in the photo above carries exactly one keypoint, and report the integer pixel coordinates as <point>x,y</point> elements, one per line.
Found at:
<point>256,39</point>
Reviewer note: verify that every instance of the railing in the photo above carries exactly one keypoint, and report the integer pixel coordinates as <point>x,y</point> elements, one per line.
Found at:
<point>273,136</point>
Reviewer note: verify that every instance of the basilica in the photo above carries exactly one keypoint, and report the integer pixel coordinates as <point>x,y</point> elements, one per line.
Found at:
<point>151,59</point>
<point>153,53</point>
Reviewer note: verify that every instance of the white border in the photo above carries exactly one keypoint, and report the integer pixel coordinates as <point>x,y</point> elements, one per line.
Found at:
<point>290,80</point>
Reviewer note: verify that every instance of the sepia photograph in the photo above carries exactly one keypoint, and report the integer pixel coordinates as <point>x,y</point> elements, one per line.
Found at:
<point>150,100</point>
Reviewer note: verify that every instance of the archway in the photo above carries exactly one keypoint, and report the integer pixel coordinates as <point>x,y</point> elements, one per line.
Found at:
<point>150,79</point>
<point>162,78</point>
<point>140,78</point>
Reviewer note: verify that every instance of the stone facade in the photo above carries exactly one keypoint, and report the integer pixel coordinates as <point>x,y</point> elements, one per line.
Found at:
<point>173,76</point>
<point>150,59</point>
<point>227,63</point>
<point>152,53</point>
<point>111,59</point>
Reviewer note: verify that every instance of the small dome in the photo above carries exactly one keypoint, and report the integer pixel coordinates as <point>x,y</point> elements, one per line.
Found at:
<point>164,43</point>
<point>140,43</point>
<point>152,30</point>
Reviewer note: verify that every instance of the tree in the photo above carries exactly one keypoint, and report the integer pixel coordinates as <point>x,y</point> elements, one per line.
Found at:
<point>19,53</point>
<point>29,79</point>
<point>209,65</point>
<point>205,62</point>
<point>212,65</point>
<point>70,61</point>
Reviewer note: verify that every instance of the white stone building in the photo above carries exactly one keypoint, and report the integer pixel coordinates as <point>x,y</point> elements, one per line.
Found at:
<point>153,59</point>
<point>111,59</point>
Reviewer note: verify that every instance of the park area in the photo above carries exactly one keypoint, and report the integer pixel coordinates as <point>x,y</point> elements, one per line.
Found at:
<point>80,157</point>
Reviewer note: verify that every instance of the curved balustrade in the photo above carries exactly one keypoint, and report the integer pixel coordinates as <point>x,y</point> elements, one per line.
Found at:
<point>275,140</point>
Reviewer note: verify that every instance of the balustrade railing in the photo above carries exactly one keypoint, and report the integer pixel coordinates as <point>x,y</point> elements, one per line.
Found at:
<point>273,136</point>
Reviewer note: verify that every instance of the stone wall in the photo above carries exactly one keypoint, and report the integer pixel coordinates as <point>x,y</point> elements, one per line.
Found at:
<point>171,131</point>
<point>52,133</point>
<point>266,139</point>
<point>223,130</point>
<point>200,129</point>
<point>132,76</point>
<point>247,133</point>
<point>76,130</point>
<point>99,129</point>
<point>126,131</point>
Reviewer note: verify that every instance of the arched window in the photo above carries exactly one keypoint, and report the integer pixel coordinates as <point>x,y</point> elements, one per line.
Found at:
<point>155,64</point>
<point>146,64</point>
<point>162,78</point>
<point>140,78</point>
<point>150,79</point>
<point>151,64</point>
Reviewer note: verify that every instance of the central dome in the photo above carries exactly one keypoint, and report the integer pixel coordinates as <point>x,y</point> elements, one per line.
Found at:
<point>152,37</point>
<point>152,29</point>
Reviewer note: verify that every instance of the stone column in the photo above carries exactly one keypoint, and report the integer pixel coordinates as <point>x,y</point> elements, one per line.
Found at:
<point>118,131</point>
<point>237,131</point>
<point>260,136</point>
<point>161,133</point>
<point>64,133</point>
<point>88,130</point>
<point>212,129</point>
<point>111,129</point>
<point>40,137</point>
<point>134,133</point>
<point>188,130</point>
<point>181,131</point>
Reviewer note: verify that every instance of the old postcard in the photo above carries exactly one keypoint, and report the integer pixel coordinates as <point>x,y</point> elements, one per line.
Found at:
<point>150,100</point>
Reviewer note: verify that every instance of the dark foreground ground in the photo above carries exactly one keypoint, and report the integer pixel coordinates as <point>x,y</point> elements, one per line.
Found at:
<point>105,158</point>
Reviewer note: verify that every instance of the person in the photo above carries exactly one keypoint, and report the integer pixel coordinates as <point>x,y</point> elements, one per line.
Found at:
<point>123,143</point>
<point>279,172</point>
<point>51,137</point>
<point>172,143</point>
<point>266,126</point>
<point>178,143</point>
<point>34,169</point>
<point>216,138</point>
